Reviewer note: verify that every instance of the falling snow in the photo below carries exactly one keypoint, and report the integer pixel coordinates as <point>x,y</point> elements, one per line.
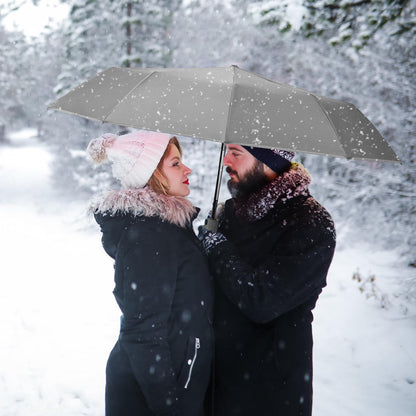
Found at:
<point>59,319</point>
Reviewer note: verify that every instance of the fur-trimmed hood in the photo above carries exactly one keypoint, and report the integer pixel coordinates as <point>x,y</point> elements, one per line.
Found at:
<point>147,203</point>
<point>288,185</point>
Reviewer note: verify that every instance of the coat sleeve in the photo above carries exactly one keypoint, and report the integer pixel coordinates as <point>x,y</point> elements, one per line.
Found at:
<point>149,270</point>
<point>284,280</point>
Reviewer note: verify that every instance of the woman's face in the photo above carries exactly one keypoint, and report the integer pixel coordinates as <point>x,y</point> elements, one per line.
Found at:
<point>176,173</point>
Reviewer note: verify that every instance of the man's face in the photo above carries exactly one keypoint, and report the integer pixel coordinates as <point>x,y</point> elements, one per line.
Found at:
<point>246,172</point>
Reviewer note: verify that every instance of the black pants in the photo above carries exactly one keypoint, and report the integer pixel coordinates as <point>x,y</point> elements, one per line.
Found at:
<point>123,396</point>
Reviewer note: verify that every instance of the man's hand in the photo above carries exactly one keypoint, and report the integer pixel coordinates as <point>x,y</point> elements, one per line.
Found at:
<point>209,239</point>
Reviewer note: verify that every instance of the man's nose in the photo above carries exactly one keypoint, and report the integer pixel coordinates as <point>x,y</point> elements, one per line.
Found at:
<point>226,161</point>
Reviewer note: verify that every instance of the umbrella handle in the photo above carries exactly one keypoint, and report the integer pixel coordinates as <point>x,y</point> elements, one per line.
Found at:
<point>218,184</point>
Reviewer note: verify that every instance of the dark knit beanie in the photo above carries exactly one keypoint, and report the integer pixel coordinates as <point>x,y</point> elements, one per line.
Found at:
<point>277,160</point>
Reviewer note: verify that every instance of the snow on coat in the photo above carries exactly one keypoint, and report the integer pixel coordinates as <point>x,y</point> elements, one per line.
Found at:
<point>268,278</point>
<point>163,288</point>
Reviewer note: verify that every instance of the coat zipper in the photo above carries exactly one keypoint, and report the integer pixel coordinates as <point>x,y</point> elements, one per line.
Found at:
<point>197,346</point>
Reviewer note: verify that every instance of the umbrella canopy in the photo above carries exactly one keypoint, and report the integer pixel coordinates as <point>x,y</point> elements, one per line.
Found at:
<point>227,105</point>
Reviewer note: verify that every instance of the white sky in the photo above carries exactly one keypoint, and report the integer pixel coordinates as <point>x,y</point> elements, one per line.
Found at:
<point>33,20</point>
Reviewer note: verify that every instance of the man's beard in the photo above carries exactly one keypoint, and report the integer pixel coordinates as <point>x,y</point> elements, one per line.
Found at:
<point>251,182</point>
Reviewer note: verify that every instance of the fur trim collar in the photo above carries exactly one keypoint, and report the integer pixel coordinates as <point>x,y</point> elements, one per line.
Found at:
<point>145,202</point>
<point>288,185</point>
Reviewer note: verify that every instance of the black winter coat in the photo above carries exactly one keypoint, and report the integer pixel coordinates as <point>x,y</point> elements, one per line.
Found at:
<point>162,360</point>
<point>268,278</point>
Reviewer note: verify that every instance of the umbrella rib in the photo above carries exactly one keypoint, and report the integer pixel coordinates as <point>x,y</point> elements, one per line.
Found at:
<point>53,107</point>
<point>330,122</point>
<point>126,95</point>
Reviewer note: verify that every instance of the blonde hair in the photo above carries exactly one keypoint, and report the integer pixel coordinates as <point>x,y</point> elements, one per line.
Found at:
<point>158,182</point>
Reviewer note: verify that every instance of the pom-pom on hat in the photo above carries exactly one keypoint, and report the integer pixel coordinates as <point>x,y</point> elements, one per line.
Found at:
<point>134,156</point>
<point>277,160</point>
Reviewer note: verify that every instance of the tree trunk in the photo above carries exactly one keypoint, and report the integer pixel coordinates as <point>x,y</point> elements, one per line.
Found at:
<point>128,33</point>
<point>2,133</point>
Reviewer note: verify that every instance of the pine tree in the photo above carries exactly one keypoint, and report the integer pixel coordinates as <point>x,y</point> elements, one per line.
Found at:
<point>357,21</point>
<point>104,33</point>
<point>14,77</point>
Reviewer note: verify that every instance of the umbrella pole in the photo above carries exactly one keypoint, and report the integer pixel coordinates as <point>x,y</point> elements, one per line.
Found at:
<point>217,187</point>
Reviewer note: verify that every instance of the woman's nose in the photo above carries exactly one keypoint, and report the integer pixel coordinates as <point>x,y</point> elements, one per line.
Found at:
<point>187,170</point>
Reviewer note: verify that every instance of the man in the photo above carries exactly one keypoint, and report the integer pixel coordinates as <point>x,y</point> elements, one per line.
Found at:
<point>270,259</point>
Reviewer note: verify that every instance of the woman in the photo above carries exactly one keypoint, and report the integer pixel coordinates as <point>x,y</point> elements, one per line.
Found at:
<point>161,362</point>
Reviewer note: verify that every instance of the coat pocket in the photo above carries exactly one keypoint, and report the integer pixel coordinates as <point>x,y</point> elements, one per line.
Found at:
<point>185,374</point>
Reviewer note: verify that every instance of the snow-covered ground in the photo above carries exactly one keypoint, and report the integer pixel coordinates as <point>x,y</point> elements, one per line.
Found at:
<point>59,320</point>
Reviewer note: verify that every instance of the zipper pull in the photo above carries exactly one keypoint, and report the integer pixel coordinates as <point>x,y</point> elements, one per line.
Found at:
<point>192,362</point>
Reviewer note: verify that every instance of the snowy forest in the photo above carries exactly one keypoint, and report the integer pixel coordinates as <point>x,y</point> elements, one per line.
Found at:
<point>362,52</point>
<point>359,51</point>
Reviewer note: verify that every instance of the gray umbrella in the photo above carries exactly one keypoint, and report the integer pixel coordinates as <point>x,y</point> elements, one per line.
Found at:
<point>227,105</point>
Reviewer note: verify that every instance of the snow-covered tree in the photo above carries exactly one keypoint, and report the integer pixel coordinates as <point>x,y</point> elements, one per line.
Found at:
<point>282,15</point>
<point>12,77</point>
<point>14,82</point>
<point>338,21</point>
<point>104,33</point>
<point>90,37</point>
<point>357,21</point>
<point>147,26</point>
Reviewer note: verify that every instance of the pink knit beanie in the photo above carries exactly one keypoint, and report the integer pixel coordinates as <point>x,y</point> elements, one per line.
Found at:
<point>134,156</point>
